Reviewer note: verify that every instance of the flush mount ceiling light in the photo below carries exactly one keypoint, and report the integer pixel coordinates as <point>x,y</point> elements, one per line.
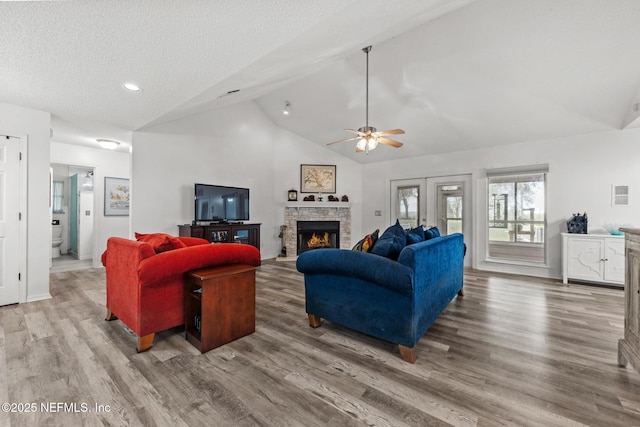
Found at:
<point>108,144</point>
<point>368,137</point>
<point>131,87</point>
<point>287,108</point>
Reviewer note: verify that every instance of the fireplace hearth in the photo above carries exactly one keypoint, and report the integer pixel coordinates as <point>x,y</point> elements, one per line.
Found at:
<point>317,235</point>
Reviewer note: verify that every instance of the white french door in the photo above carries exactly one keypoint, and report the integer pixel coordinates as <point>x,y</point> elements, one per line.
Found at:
<point>9,219</point>
<point>444,202</point>
<point>449,207</point>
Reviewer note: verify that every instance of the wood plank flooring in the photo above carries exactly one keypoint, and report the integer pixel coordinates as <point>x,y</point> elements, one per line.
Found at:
<point>513,351</point>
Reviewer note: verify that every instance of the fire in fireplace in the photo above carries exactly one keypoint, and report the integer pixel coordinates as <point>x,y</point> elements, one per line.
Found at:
<point>319,241</point>
<point>318,234</point>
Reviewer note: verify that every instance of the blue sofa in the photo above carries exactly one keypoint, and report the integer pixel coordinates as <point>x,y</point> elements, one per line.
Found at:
<point>396,301</point>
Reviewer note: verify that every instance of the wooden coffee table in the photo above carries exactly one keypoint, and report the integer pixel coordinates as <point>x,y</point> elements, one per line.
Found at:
<point>219,305</point>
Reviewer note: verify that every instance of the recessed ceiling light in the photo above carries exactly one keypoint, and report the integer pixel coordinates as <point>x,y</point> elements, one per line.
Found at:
<point>132,87</point>
<point>109,144</point>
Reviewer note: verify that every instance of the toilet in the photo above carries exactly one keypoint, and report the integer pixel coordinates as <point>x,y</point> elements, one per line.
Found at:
<point>56,241</point>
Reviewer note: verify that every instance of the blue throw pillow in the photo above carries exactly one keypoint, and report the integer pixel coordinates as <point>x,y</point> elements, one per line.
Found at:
<point>431,233</point>
<point>391,243</point>
<point>415,235</point>
<point>413,238</point>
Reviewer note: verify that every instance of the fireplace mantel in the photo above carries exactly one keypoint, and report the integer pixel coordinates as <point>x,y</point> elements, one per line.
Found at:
<point>317,205</point>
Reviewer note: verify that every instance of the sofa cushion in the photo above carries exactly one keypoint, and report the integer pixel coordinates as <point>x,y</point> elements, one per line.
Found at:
<point>367,242</point>
<point>431,233</point>
<point>391,243</point>
<point>415,235</point>
<point>161,242</point>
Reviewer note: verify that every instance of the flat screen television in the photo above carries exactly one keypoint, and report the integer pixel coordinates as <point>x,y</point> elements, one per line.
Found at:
<point>216,203</point>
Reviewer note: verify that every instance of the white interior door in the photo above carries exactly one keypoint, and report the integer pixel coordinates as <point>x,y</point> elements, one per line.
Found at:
<point>449,207</point>
<point>9,219</point>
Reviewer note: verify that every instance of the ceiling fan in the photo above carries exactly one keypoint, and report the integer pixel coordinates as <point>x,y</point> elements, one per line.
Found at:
<point>368,136</point>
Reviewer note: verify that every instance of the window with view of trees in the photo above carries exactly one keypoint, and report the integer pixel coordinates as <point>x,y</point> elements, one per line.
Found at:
<point>516,217</point>
<point>407,203</point>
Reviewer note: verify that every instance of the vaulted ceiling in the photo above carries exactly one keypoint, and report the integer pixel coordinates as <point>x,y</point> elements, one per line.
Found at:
<point>454,75</point>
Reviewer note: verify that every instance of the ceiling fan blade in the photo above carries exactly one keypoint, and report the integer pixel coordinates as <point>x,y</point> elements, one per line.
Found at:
<point>390,142</point>
<point>357,132</point>
<point>389,132</point>
<point>344,140</point>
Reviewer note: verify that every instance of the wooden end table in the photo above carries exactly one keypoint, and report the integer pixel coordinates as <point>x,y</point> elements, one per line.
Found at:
<point>219,305</point>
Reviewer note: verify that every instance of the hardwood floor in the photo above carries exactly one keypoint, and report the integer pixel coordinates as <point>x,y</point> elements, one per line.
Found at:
<point>512,351</point>
<point>69,263</point>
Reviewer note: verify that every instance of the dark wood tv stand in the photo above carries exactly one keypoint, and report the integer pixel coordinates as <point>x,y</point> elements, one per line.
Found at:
<point>224,233</point>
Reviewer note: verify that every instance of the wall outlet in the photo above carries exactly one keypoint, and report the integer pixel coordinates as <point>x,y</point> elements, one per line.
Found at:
<point>377,213</point>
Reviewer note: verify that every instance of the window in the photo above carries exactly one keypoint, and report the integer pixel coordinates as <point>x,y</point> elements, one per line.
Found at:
<point>450,208</point>
<point>58,191</point>
<point>517,216</point>
<point>408,198</point>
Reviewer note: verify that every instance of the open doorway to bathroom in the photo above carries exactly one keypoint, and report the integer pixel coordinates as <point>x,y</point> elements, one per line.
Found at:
<point>72,225</point>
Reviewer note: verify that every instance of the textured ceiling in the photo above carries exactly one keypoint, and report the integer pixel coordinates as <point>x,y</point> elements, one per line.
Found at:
<point>454,74</point>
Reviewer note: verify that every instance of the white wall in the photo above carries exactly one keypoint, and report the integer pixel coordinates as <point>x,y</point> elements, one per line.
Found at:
<point>233,146</point>
<point>105,163</point>
<point>582,170</point>
<point>35,125</point>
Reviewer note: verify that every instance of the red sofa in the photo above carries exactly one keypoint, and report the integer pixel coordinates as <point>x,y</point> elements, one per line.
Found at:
<point>145,289</point>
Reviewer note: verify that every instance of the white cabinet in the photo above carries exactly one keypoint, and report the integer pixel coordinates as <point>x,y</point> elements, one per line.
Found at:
<point>593,258</point>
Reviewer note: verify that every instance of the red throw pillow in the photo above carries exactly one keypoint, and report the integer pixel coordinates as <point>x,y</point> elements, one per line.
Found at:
<point>161,242</point>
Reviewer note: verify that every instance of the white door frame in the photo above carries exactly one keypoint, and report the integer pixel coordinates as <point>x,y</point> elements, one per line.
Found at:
<point>24,162</point>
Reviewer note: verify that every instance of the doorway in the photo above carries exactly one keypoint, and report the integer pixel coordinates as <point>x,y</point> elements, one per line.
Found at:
<point>444,202</point>
<point>73,210</point>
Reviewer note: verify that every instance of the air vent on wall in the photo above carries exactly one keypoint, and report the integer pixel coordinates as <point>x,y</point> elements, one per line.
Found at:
<point>619,195</point>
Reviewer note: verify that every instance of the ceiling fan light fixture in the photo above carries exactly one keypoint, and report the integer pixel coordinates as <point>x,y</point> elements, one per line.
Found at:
<point>368,137</point>
<point>366,144</point>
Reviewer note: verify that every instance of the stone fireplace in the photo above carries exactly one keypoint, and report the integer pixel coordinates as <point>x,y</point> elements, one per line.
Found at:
<point>337,213</point>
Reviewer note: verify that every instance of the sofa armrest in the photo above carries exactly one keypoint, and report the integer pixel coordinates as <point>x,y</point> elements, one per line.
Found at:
<point>445,252</point>
<point>166,265</point>
<point>122,262</point>
<point>126,254</point>
<point>438,265</point>
<point>360,265</point>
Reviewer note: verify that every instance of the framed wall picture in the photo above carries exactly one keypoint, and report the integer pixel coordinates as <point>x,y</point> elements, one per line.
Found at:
<point>116,196</point>
<point>317,178</point>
